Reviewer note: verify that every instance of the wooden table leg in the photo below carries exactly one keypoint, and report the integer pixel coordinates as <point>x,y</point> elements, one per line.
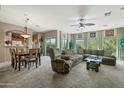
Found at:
<point>19,63</point>
<point>39,59</point>
<point>97,68</point>
<point>87,65</point>
<point>12,62</point>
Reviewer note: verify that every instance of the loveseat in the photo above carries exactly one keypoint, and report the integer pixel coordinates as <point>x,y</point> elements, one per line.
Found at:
<point>107,57</point>
<point>62,62</point>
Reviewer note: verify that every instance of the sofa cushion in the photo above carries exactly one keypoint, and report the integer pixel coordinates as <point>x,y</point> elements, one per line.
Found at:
<point>76,59</point>
<point>73,52</point>
<point>66,57</point>
<point>69,62</point>
<point>80,51</point>
<point>109,61</point>
<point>87,51</point>
<point>68,51</point>
<point>94,52</point>
<point>64,52</point>
<point>100,52</point>
<point>86,55</point>
<point>107,53</point>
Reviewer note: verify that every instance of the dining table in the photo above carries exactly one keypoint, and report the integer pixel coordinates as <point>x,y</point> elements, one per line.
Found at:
<point>19,55</point>
<point>24,54</point>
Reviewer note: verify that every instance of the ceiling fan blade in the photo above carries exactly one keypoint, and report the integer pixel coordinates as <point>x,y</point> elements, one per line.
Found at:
<point>89,24</point>
<point>74,25</point>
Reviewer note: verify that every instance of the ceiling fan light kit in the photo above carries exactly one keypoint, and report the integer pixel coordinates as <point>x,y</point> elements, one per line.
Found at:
<point>82,24</point>
<point>108,13</point>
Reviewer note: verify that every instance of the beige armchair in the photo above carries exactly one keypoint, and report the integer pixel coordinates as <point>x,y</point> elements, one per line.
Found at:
<point>59,65</point>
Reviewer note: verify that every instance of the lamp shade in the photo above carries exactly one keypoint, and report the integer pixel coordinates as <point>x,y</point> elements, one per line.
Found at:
<point>25,35</point>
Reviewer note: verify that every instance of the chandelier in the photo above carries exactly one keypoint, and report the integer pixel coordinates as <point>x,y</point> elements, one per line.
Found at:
<point>26,35</point>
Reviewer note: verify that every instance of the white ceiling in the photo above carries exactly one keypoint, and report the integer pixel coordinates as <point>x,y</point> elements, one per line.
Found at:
<point>60,17</point>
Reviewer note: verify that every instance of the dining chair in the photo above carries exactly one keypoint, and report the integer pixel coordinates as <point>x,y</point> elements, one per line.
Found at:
<point>39,55</point>
<point>33,57</point>
<point>18,50</point>
<point>13,57</point>
<point>23,58</point>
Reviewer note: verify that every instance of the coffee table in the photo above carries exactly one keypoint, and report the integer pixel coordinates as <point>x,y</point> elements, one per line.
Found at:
<point>93,62</point>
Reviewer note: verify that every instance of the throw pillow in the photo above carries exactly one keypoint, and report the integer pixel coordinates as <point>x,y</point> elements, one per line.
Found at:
<point>66,57</point>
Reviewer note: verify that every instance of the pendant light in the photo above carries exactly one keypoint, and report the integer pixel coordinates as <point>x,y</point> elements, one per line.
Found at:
<point>26,35</point>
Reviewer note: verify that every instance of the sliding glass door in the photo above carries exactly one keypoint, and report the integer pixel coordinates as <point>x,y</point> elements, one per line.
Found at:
<point>50,43</point>
<point>64,44</point>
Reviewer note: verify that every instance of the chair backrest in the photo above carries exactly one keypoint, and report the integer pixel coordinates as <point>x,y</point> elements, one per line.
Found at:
<point>33,53</point>
<point>12,52</point>
<point>18,50</point>
<point>52,53</point>
<point>38,49</point>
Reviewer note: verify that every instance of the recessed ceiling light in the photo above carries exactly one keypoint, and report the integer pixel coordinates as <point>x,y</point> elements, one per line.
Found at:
<point>37,25</point>
<point>108,13</point>
<point>77,29</point>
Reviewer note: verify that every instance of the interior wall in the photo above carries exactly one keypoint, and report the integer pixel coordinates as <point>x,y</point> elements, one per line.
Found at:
<point>58,39</point>
<point>4,51</point>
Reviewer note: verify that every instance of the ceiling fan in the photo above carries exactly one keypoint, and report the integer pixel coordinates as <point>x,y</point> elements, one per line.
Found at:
<point>82,24</point>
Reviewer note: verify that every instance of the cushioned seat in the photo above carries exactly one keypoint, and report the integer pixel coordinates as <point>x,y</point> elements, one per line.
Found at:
<point>59,65</point>
<point>76,59</point>
<point>65,62</point>
<point>108,58</point>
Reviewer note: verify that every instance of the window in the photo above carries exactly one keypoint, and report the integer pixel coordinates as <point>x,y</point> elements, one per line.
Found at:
<point>50,43</point>
<point>110,44</point>
<point>79,43</point>
<point>64,43</point>
<point>92,41</point>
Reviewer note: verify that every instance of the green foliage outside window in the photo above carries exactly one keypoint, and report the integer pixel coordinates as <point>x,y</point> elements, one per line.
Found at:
<point>79,43</point>
<point>110,44</point>
<point>92,43</point>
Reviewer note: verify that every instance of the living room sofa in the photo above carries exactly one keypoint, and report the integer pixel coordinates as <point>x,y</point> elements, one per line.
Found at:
<point>107,57</point>
<point>62,62</point>
<point>73,55</point>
